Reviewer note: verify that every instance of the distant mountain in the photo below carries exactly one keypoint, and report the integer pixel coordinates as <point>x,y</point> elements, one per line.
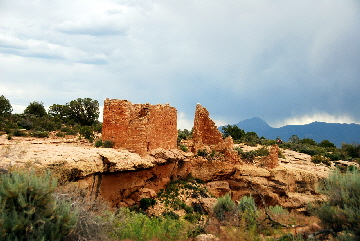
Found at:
<point>335,132</point>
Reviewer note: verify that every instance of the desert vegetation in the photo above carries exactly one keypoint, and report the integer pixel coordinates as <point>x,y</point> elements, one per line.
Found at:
<point>78,117</point>
<point>38,204</point>
<point>324,152</point>
<point>34,206</point>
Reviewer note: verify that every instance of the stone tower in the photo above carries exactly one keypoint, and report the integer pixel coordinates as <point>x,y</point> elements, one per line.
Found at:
<point>139,128</point>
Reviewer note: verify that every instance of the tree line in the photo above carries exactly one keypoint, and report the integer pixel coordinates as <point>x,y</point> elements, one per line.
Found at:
<point>77,116</point>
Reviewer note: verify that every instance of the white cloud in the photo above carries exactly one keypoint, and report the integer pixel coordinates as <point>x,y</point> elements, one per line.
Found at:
<point>18,109</point>
<point>320,117</point>
<point>101,114</point>
<point>220,123</point>
<point>183,122</point>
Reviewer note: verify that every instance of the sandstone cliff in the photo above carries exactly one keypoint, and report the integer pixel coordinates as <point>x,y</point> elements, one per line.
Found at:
<point>123,178</point>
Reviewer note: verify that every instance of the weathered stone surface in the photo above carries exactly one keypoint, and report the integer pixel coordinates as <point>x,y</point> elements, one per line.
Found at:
<point>218,188</point>
<point>143,193</point>
<point>206,237</point>
<point>250,170</point>
<point>169,155</point>
<point>82,159</point>
<point>139,128</point>
<point>123,178</point>
<point>272,160</point>
<point>208,204</point>
<point>205,130</point>
<point>206,136</point>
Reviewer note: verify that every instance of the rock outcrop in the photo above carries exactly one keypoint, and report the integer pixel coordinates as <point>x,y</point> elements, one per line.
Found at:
<point>123,178</point>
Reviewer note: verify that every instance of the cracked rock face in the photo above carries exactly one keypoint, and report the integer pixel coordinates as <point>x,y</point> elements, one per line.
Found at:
<point>123,178</point>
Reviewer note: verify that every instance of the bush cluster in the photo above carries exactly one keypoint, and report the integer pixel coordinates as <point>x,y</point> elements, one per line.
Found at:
<point>341,211</point>
<point>250,156</point>
<point>105,144</point>
<point>184,135</point>
<point>137,226</point>
<point>29,210</point>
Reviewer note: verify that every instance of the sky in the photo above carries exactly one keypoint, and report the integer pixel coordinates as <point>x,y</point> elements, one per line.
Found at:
<point>287,62</point>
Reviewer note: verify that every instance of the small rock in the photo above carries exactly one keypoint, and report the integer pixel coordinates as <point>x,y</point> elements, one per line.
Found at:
<point>206,237</point>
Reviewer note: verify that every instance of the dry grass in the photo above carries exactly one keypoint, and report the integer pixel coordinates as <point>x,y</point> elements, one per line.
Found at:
<point>90,225</point>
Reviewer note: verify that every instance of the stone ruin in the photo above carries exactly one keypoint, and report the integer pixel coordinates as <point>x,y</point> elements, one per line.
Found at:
<point>205,131</point>
<point>139,128</point>
<point>207,136</point>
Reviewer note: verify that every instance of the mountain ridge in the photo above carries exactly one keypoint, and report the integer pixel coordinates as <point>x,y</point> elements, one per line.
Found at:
<point>336,133</point>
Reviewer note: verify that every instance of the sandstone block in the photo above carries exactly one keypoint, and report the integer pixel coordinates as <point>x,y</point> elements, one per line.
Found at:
<point>139,128</point>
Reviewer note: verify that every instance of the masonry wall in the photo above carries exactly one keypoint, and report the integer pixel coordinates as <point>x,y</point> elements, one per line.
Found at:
<point>205,130</point>
<point>139,128</point>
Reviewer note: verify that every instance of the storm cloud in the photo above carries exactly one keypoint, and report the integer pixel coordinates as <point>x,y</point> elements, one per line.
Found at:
<point>287,62</point>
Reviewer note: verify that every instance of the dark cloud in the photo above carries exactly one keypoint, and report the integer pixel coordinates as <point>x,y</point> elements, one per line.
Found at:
<point>282,61</point>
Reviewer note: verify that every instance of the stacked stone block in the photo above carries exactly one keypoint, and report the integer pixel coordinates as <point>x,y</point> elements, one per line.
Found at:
<point>139,128</point>
<point>205,130</point>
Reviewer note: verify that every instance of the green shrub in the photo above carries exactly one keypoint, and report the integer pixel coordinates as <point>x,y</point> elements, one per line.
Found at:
<point>317,159</point>
<point>60,134</point>
<point>248,210</point>
<point>108,144</point>
<point>69,131</point>
<point>183,148</point>
<point>18,132</point>
<point>87,132</point>
<point>98,143</point>
<point>192,217</point>
<point>40,134</point>
<point>262,151</point>
<point>9,136</point>
<point>28,209</point>
<point>223,206</point>
<point>309,151</point>
<point>267,142</point>
<point>171,215</point>
<point>239,150</point>
<point>248,156</point>
<point>277,210</point>
<point>145,203</point>
<point>188,209</point>
<point>334,156</point>
<point>184,135</point>
<point>90,225</point>
<point>342,210</point>
<point>234,131</point>
<point>97,127</point>
<point>202,153</point>
<point>137,226</point>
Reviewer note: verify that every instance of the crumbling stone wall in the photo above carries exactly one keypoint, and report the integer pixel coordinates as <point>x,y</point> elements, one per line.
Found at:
<point>139,128</point>
<point>207,136</point>
<point>205,130</point>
